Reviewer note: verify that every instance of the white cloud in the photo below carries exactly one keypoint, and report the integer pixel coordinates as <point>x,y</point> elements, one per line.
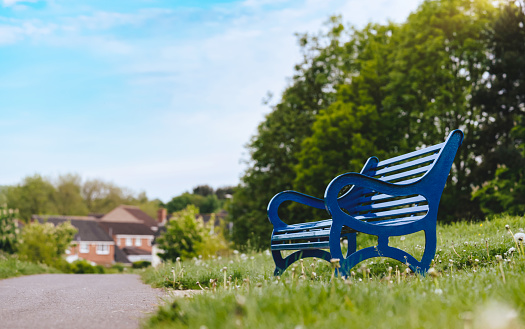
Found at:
<point>9,3</point>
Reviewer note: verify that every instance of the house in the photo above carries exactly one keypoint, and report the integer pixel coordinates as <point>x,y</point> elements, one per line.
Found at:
<point>132,230</point>
<point>134,239</point>
<point>91,242</point>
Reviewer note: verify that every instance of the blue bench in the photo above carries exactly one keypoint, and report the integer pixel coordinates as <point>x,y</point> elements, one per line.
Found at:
<point>393,197</point>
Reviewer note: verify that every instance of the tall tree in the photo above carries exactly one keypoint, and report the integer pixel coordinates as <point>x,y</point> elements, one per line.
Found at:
<point>501,137</point>
<point>69,199</point>
<point>435,68</point>
<point>355,126</point>
<point>35,195</point>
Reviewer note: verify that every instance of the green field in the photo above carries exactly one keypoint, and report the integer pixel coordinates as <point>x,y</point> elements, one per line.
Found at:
<point>472,289</point>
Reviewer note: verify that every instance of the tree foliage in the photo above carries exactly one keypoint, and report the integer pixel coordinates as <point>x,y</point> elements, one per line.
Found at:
<point>8,230</point>
<point>387,89</point>
<point>46,243</point>
<point>183,234</point>
<point>68,195</point>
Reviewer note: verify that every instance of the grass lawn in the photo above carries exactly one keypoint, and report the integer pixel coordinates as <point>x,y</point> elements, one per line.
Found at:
<point>471,289</point>
<point>11,266</point>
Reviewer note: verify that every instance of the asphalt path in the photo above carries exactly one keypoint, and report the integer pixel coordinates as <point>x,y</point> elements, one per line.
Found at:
<point>76,301</point>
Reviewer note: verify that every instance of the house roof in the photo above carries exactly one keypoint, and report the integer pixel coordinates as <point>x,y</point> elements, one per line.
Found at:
<point>88,229</point>
<point>115,228</point>
<point>120,256</point>
<point>129,214</point>
<point>135,251</point>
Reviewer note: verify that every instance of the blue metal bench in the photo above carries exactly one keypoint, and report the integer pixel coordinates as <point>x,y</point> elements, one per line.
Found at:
<point>393,197</point>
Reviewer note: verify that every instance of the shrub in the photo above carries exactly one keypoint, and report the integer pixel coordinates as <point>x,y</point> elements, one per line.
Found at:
<point>187,237</point>
<point>82,266</point>
<point>46,243</point>
<point>119,267</point>
<point>141,264</point>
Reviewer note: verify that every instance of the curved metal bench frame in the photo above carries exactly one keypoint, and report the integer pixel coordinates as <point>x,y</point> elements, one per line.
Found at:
<point>430,186</point>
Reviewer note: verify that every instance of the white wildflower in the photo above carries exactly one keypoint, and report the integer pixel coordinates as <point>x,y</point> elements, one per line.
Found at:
<point>511,250</point>
<point>438,291</point>
<point>520,237</point>
<point>402,238</point>
<point>236,252</point>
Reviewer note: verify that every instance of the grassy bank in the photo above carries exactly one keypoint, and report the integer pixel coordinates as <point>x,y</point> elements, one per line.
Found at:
<point>471,289</point>
<point>11,266</point>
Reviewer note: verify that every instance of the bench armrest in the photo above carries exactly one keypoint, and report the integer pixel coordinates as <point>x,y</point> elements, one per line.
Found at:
<point>360,180</point>
<point>279,198</point>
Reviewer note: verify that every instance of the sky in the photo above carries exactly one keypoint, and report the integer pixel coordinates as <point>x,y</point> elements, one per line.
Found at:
<point>153,95</point>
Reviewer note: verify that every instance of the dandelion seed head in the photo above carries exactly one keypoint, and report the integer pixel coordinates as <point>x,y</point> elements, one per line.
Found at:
<point>519,236</point>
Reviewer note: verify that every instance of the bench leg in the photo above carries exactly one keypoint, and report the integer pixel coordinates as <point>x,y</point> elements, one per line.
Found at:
<point>281,264</point>
<point>383,250</point>
<point>352,243</point>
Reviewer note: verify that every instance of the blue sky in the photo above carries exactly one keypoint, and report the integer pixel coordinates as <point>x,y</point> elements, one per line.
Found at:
<point>153,95</point>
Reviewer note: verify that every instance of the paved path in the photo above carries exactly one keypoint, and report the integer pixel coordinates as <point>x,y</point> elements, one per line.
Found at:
<point>76,301</point>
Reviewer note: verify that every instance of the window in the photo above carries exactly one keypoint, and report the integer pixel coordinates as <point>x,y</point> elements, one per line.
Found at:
<point>84,248</point>
<point>138,242</point>
<point>129,242</point>
<point>102,249</point>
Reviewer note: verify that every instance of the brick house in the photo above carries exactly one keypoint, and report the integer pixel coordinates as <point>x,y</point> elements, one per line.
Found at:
<point>91,242</point>
<point>132,230</point>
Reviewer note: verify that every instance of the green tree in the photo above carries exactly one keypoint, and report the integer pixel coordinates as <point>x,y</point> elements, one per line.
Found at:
<point>210,204</point>
<point>180,202</point>
<point>182,236</point>
<point>203,190</point>
<point>355,126</point>
<point>436,65</point>
<point>36,195</point>
<point>46,243</point>
<point>501,132</point>
<point>69,199</point>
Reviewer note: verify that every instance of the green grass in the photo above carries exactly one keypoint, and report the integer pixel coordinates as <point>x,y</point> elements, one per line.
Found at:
<point>11,266</point>
<point>469,291</point>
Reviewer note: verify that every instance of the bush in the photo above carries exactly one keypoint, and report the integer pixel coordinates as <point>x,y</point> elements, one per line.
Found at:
<point>82,266</point>
<point>141,264</point>
<point>46,243</point>
<point>188,237</point>
<point>119,267</point>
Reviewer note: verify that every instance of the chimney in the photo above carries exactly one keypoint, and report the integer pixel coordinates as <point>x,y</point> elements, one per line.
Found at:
<point>162,213</point>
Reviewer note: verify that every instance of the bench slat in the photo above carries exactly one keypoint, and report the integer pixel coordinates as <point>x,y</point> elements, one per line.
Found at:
<point>410,155</point>
<point>389,204</point>
<point>301,246</point>
<point>302,235</point>
<point>402,166</point>
<point>398,221</point>
<point>408,173</point>
<point>305,226</point>
<point>397,212</point>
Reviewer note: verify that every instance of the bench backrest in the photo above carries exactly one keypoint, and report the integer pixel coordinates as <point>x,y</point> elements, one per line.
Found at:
<point>368,205</point>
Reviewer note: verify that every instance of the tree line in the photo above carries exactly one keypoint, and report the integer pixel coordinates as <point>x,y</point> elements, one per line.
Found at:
<point>69,195</point>
<point>387,89</point>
